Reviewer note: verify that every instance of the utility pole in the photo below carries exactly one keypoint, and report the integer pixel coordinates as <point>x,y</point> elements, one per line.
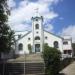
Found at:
<point>24,62</point>
<point>4,67</point>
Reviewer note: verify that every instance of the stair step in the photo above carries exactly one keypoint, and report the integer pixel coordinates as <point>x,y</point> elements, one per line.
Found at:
<point>32,65</point>
<point>30,68</point>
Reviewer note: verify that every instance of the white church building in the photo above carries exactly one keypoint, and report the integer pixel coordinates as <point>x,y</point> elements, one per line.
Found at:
<point>34,40</point>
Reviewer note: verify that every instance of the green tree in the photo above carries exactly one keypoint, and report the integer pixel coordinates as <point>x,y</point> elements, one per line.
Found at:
<point>6,34</point>
<point>52,60</point>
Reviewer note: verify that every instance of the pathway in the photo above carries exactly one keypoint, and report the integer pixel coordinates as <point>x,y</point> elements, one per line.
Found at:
<point>69,70</point>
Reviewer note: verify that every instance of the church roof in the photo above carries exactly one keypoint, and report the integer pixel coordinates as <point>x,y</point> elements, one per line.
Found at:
<point>44,30</point>
<point>24,35</point>
<point>53,34</point>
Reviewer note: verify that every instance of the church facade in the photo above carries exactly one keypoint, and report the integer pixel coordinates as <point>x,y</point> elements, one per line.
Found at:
<point>34,40</point>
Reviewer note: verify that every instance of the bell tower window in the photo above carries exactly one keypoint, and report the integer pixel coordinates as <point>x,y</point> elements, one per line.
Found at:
<point>37,26</point>
<point>37,38</point>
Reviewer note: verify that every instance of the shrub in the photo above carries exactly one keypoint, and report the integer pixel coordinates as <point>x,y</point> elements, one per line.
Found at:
<point>52,60</point>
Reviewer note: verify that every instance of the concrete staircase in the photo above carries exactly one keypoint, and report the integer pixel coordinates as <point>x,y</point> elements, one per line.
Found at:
<point>33,64</point>
<point>30,68</point>
<point>28,58</point>
<point>34,68</point>
<point>14,69</point>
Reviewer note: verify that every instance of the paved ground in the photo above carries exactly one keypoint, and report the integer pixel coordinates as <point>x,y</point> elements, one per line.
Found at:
<point>69,70</point>
<point>29,58</point>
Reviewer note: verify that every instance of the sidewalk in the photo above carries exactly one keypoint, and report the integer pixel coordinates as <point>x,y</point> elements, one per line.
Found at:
<point>69,70</point>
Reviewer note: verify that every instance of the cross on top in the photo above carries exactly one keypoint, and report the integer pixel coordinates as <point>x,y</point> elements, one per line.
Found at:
<point>36,10</point>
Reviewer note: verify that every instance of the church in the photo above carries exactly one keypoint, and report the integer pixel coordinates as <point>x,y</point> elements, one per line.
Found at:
<point>33,41</point>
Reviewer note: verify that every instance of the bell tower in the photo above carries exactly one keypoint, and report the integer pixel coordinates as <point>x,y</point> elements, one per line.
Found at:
<point>37,33</point>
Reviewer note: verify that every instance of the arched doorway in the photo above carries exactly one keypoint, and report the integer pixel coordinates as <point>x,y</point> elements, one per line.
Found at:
<point>37,47</point>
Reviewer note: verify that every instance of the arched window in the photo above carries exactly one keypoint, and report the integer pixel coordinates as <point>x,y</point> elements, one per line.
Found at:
<point>37,38</point>
<point>30,48</point>
<point>56,44</point>
<point>37,26</point>
<point>20,46</point>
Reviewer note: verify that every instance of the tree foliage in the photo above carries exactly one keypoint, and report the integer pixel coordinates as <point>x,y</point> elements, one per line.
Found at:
<point>52,60</point>
<point>6,34</point>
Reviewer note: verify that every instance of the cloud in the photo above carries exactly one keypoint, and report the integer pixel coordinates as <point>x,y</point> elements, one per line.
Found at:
<point>21,27</point>
<point>48,27</point>
<point>70,30</point>
<point>26,9</point>
<point>11,3</point>
<point>50,1</point>
<point>61,18</point>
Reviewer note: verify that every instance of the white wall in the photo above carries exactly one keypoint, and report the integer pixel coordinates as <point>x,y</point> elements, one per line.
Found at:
<point>67,46</point>
<point>50,40</point>
<point>20,33</point>
<point>25,43</point>
<point>39,30</point>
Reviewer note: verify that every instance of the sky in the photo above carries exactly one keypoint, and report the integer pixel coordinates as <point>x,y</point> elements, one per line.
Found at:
<point>59,15</point>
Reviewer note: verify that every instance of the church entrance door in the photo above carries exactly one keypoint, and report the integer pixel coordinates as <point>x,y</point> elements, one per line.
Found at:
<point>37,47</point>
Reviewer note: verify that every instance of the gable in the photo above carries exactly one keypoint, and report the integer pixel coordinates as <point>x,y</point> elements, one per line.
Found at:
<point>51,34</point>
<point>24,36</point>
<point>46,33</point>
